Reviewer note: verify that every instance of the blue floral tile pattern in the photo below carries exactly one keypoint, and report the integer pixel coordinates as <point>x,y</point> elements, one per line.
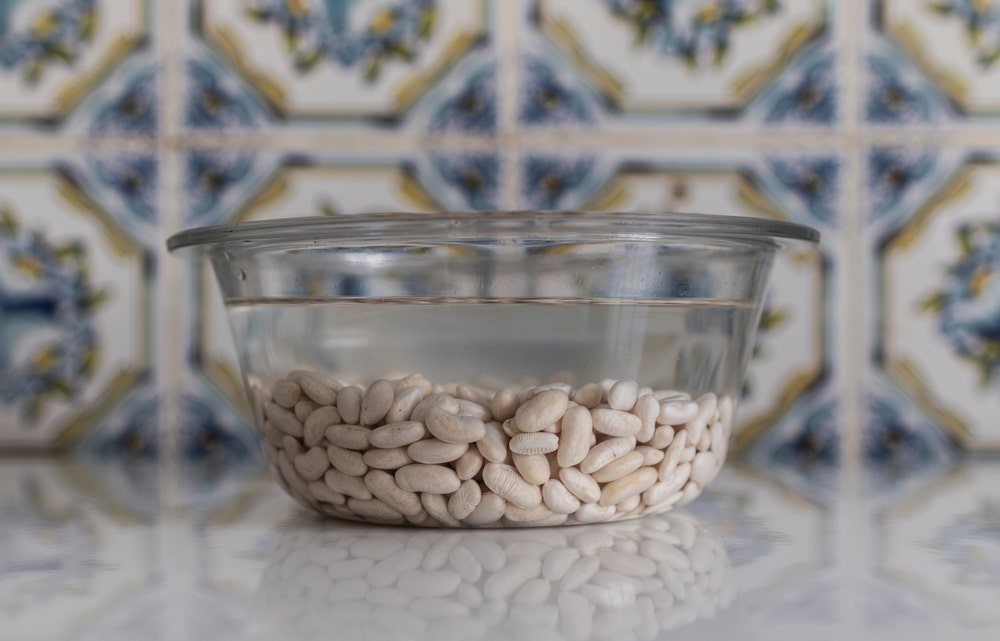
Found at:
<point>891,175</point>
<point>898,442</point>
<point>898,94</point>
<point>807,92</point>
<point>209,178</point>
<point>473,178</point>
<point>132,178</point>
<point>550,95</point>
<point>54,37</point>
<point>214,99</point>
<point>132,110</point>
<point>46,284</point>
<point>473,107</point>
<point>968,304</point>
<point>699,38</point>
<point>981,22</point>
<point>315,31</point>
<point>554,182</point>
<point>811,183</point>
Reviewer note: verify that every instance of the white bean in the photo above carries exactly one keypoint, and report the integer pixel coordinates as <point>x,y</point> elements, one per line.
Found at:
<point>534,468</point>
<point>398,434</point>
<point>403,403</point>
<point>558,498</point>
<point>454,429</point>
<point>650,455</point>
<point>469,464</point>
<point>303,408</point>
<point>352,486</point>
<point>283,419</point>
<point>541,411</point>
<point>534,443</point>
<point>384,487</point>
<point>434,451</point>
<point>582,486</point>
<point>322,492</point>
<point>321,390</point>
<point>292,446</point>
<point>594,513</point>
<point>312,464</point>
<point>465,500</point>
<point>437,506</point>
<point>703,468</point>
<point>589,396</point>
<point>615,422</point>
<point>323,418</point>
<point>663,436</point>
<point>387,459</point>
<point>376,402</point>
<point>516,514</point>
<point>349,404</point>
<point>375,510</point>
<point>635,483</point>
<point>490,510</point>
<point>286,394</point>
<point>647,409</point>
<point>623,395</point>
<point>619,467</point>
<point>504,404</point>
<point>351,437</point>
<point>435,479</point>
<point>672,455</point>
<point>676,412</point>
<point>493,445</point>
<point>574,441</point>
<point>605,452</point>
<point>504,481</point>
<point>347,461</point>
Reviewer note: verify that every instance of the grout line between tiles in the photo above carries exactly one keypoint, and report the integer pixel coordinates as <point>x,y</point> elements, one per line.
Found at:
<point>850,352</point>
<point>172,536</point>
<point>508,23</point>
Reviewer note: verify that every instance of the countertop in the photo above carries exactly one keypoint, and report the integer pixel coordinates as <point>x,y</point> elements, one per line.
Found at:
<point>117,552</point>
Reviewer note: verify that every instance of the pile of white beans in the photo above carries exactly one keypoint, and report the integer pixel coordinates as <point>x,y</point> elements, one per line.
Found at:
<point>624,581</point>
<point>408,451</point>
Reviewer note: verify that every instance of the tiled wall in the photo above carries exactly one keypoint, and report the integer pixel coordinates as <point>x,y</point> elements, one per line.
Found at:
<point>122,121</point>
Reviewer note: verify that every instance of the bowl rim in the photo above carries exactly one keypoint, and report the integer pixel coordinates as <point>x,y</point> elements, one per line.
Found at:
<point>447,226</point>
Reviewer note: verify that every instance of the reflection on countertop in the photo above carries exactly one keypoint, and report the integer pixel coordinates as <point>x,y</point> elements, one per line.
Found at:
<point>117,552</point>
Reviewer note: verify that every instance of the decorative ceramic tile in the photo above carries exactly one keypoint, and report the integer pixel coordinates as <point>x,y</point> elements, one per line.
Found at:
<point>935,294</point>
<point>897,92</point>
<point>325,62</point>
<point>954,43</point>
<point>75,238</point>
<point>723,54</point>
<point>793,354</point>
<point>54,54</point>
<point>72,561</point>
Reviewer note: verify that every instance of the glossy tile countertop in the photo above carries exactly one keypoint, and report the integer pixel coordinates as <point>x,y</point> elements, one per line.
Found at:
<point>123,553</point>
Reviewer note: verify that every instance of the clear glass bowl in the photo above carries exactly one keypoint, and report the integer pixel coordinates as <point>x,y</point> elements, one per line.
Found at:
<point>504,369</point>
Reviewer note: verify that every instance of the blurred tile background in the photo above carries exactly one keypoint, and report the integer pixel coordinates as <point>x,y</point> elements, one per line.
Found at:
<point>123,121</point>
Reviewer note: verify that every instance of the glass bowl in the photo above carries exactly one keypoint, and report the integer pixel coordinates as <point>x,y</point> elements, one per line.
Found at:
<point>491,370</point>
